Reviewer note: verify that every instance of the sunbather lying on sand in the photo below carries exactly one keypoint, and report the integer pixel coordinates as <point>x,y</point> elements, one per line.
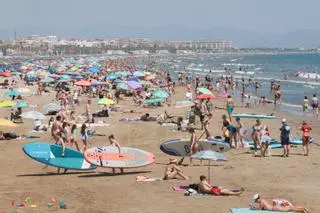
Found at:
<point>205,187</point>
<point>173,171</point>
<point>278,205</point>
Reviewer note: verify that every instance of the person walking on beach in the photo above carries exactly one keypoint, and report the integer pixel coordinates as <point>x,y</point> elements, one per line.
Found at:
<point>230,107</point>
<point>88,112</point>
<point>315,106</point>
<point>305,105</point>
<point>206,123</point>
<point>84,136</point>
<point>115,143</point>
<point>239,126</point>
<point>285,137</point>
<point>277,96</point>
<point>256,135</point>
<point>306,129</point>
<point>56,132</point>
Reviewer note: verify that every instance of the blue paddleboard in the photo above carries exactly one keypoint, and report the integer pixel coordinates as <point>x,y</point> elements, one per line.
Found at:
<point>256,116</point>
<point>50,154</point>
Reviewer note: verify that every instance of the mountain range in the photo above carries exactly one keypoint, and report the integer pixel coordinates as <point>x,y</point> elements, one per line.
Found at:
<point>241,38</point>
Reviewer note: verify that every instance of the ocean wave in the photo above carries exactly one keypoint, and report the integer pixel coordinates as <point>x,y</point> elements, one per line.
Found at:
<point>282,80</point>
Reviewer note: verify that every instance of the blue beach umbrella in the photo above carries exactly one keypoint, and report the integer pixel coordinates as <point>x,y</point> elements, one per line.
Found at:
<point>160,94</point>
<point>123,86</point>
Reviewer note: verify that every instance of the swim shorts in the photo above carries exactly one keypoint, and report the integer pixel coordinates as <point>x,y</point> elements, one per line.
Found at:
<point>215,191</point>
<point>285,141</point>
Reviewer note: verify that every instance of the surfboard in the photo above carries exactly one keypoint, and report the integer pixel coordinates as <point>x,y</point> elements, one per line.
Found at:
<point>256,116</point>
<point>108,157</point>
<point>181,147</point>
<point>50,154</point>
<point>299,141</point>
<point>273,145</point>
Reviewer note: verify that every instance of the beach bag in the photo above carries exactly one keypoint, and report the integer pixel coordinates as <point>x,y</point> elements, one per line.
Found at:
<point>194,186</point>
<point>190,192</point>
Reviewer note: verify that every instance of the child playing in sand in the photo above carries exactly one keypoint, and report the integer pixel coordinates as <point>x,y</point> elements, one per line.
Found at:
<point>306,129</point>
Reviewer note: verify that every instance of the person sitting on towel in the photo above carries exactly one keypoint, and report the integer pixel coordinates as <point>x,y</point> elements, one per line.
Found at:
<point>205,187</point>
<point>278,205</point>
<point>172,171</point>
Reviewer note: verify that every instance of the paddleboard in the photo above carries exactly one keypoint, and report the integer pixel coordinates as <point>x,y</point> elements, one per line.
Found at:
<point>50,154</point>
<point>108,156</point>
<point>256,116</point>
<point>181,147</point>
<point>273,145</point>
<point>299,141</point>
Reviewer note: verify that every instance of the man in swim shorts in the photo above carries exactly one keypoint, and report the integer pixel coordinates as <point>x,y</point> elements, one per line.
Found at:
<point>205,187</point>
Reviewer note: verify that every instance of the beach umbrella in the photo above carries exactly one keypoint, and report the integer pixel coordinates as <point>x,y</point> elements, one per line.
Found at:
<point>204,91</point>
<point>138,73</point>
<point>52,107</point>
<point>11,93</point>
<point>123,86</point>
<point>64,77</point>
<point>83,83</point>
<point>33,115</point>
<point>47,80</point>
<point>5,74</point>
<point>210,156</point>
<point>160,94</point>
<point>23,90</point>
<point>111,76</point>
<point>6,104</point>
<point>105,101</point>
<point>94,70</point>
<point>77,77</point>
<point>5,122</point>
<point>134,85</point>
<point>134,79</point>
<point>183,104</point>
<point>153,100</point>
<point>21,104</point>
<point>206,96</point>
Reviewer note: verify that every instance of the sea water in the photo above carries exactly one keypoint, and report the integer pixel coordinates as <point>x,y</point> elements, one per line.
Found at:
<point>266,68</point>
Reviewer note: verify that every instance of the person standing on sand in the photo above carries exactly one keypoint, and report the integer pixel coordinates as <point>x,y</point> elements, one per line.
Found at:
<point>277,96</point>
<point>256,135</point>
<point>84,136</point>
<point>88,112</point>
<point>206,123</point>
<point>115,143</point>
<point>306,129</point>
<point>285,137</point>
<point>315,106</point>
<point>239,138</point>
<point>194,147</point>
<point>305,105</point>
<point>230,107</point>
<point>56,132</point>
<point>279,205</point>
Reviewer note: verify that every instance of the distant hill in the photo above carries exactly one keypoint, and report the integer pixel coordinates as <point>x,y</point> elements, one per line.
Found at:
<point>240,38</point>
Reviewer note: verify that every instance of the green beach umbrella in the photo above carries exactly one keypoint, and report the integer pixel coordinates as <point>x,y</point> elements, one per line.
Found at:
<point>153,100</point>
<point>105,101</point>
<point>21,104</point>
<point>204,91</point>
<point>11,93</point>
<point>160,94</point>
<point>47,80</point>
<point>123,86</point>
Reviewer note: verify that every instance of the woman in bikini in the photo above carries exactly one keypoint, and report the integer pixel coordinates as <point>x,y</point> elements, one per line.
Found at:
<point>73,137</point>
<point>56,131</point>
<point>256,135</point>
<point>230,107</point>
<point>84,136</point>
<point>172,171</point>
<point>279,205</point>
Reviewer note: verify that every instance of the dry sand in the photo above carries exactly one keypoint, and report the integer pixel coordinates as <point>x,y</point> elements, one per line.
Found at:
<point>295,178</point>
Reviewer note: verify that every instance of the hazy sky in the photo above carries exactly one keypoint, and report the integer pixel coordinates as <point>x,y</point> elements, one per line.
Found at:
<point>258,15</point>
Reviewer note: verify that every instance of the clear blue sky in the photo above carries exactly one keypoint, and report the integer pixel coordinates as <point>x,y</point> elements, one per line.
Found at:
<point>271,16</point>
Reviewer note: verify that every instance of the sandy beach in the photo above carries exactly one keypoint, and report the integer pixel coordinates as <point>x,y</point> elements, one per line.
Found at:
<point>294,178</point>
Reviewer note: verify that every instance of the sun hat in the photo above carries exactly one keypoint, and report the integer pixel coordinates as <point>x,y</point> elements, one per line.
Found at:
<point>255,197</point>
<point>284,120</point>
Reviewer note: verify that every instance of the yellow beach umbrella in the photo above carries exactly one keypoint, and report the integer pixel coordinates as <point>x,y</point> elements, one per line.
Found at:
<point>105,101</point>
<point>7,104</point>
<point>5,122</point>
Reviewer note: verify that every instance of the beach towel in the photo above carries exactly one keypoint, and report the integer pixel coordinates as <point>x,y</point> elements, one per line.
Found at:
<point>147,179</point>
<point>94,124</point>
<point>35,131</point>
<point>248,210</point>
<point>178,188</point>
<point>135,119</point>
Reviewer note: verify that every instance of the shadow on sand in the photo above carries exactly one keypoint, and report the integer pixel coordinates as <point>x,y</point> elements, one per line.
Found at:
<point>109,174</point>
<point>52,174</point>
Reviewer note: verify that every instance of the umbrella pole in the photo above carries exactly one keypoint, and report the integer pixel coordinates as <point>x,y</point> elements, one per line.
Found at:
<point>209,171</point>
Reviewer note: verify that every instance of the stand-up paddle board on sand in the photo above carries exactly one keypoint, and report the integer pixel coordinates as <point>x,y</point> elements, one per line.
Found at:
<point>50,154</point>
<point>109,157</point>
<point>181,147</point>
